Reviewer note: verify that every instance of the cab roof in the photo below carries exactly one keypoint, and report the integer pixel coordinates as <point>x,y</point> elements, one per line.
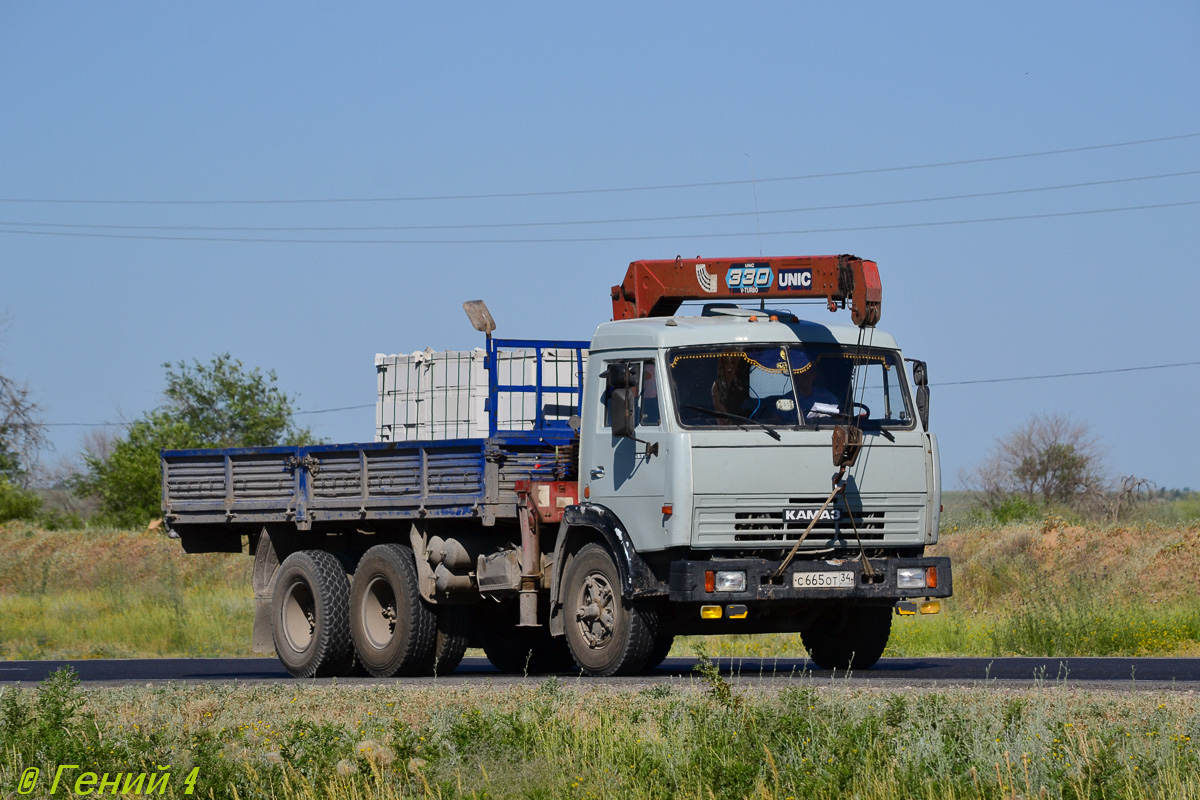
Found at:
<point>664,332</point>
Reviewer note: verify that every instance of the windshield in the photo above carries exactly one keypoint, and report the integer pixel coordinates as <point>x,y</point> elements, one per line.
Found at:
<point>788,386</point>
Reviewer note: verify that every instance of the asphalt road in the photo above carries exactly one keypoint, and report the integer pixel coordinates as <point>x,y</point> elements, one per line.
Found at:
<point>1112,673</point>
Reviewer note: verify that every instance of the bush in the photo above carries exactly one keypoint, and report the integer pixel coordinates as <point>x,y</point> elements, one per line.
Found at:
<point>1015,508</point>
<point>17,503</point>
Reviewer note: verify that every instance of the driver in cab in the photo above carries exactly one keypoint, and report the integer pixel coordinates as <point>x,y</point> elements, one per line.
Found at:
<point>817,401</point>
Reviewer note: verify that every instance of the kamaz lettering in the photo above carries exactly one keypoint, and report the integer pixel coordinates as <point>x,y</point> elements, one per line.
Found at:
<point>749,278</point>
<point>808,514</point>
<point>795,279</point>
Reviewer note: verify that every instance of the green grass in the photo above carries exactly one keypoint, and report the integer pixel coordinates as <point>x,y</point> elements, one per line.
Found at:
<point>706,736</point>
<point>116,594</point>
<point>98,625</point>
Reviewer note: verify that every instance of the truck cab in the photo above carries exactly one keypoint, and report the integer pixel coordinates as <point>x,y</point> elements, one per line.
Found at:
<point>743,485</point>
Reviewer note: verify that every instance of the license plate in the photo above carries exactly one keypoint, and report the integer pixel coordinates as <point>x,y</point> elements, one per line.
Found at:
<point>839,579</point>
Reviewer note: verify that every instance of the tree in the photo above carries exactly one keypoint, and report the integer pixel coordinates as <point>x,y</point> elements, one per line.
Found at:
<point>219,404</point>
<point>22,434</point>
<point>1046,460</point>
<point>227,406</point>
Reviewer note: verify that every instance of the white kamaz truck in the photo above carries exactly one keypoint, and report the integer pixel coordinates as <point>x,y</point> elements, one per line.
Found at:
<point>570,505</point>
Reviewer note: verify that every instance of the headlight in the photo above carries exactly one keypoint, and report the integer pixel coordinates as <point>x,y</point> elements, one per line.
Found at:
<point>910,578</point>
<point>732,582</point>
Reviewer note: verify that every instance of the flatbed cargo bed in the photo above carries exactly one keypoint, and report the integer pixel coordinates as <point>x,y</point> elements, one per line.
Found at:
<point>347,483</point>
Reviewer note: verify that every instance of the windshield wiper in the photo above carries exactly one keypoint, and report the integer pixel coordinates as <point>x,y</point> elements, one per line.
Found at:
<point>736,418</point>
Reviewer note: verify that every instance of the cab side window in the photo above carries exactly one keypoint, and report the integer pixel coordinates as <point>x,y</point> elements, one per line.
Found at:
<point>649,413</point>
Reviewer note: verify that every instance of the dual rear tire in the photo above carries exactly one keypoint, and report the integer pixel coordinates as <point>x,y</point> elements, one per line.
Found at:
<point>310,616</point>
<point>395,632</point>
<point>324,625</point>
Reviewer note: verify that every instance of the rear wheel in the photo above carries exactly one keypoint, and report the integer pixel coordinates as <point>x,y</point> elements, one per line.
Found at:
<point>849,638</point>
<point>607,634</point>
<point>453,634</point>
<point>310,615</point>
<point>395,632</point>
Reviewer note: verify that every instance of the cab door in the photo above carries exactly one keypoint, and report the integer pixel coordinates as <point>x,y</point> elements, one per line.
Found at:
<point>620,473</point>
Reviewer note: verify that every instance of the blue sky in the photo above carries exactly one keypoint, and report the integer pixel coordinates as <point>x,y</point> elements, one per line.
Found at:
<point>299,101</point>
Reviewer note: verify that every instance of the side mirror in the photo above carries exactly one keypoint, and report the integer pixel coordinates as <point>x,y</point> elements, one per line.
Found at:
<point>622,404</point>
<point>921,378</point>
<point>621,375</point>
<point>920,373</point>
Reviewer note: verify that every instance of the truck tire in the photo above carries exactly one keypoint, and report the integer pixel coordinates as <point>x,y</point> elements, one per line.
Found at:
<point>607,634</point>
<point>453,634</point>
<point>850,638</point>
<point>310,615</point>
<point>517,650</point>
<point>660,651</point>
<point>395,632</point>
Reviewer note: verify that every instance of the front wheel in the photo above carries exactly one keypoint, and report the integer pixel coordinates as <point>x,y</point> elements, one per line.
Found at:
<point>310,615</point>
<point>849,638</point>
<point>662,648</point>
<point>607,634</point>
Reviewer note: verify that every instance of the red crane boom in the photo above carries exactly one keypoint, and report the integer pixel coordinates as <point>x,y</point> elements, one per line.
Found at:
<point>657,288</point>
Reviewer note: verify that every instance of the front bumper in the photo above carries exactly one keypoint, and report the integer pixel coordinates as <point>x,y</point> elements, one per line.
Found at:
<point>686,583</point>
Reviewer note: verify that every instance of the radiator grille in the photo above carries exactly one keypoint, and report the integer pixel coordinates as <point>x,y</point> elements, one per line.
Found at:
<point>725,522</point>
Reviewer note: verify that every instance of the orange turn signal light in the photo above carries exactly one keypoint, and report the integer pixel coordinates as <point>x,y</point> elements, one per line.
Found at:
<point>710,581</point>
<point>931,577</point>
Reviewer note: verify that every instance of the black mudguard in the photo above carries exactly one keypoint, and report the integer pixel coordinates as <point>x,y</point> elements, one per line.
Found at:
<point>637,579</point>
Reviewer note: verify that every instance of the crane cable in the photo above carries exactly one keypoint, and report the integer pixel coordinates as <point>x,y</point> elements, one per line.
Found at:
<point>868,570</point>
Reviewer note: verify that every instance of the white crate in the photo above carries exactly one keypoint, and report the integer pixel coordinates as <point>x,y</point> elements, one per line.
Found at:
<point>439,395</point>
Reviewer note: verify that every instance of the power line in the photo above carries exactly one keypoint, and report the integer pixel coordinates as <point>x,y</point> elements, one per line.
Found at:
<point>610,221</point>
<point>331,410</point>
<point>609,190</point>
<point>123,424</point>
<point>76,425</point>
<point>1070,374</point>
<point>590,239</point>
<point>945,383</point>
